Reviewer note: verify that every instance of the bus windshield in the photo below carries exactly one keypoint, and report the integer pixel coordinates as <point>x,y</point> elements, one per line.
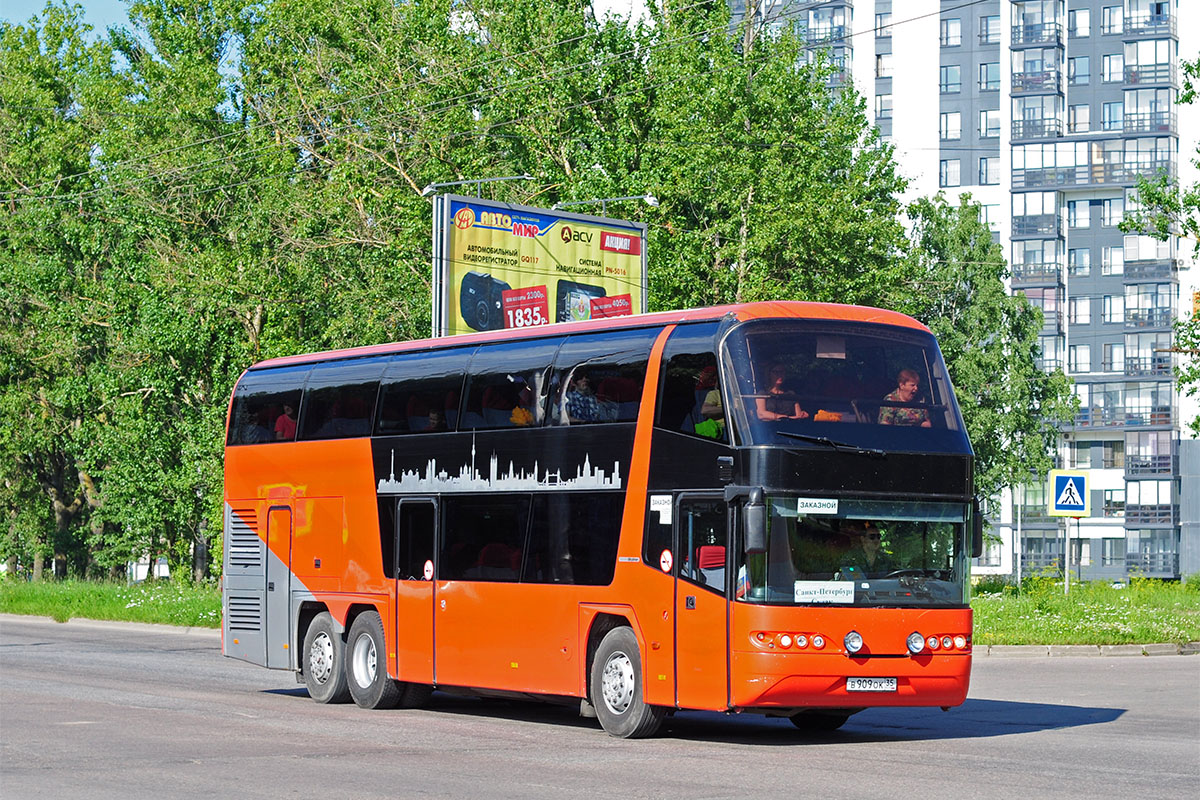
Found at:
<point>825,383</point>
<point>826,551</point>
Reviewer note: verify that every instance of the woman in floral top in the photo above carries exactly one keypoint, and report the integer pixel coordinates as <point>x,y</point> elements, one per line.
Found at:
<point>909,382</point>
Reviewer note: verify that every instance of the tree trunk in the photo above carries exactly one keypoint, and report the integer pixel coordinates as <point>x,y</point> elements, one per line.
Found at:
<point>39,566</point>
<point>200,554</point>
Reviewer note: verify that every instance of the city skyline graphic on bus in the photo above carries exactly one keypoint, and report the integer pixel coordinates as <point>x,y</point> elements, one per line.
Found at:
<point>469,479</point>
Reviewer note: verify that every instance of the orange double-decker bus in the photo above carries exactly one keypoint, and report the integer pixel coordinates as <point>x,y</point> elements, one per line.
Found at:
<point>753,508</point>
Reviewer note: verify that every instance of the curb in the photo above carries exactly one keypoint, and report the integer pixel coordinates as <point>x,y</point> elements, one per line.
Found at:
<point>1086,650</point>
<point>143,627</point>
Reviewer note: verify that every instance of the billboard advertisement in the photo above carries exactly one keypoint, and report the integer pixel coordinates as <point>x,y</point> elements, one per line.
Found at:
<point>500,265</point>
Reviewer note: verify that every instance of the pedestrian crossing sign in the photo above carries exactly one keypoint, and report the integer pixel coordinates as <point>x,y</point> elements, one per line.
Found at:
<point>1069,494</point>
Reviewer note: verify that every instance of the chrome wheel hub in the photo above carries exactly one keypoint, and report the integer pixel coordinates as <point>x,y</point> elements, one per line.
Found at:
<point>618,683</point>
<point>320,658</point>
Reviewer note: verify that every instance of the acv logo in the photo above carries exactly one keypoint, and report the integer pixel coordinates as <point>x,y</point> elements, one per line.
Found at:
<point>569,235</point>
<point>464,219</point>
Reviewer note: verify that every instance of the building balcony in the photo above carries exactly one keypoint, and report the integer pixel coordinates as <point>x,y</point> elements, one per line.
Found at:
<point>1037,225</point>
<point>1036,274</point>
<point>1049,177</point>
<point>1044,33</point>
<point>1037,128</point>
<point>1159,516</point>
<point>1152,417</point>
<point>1100,417</point>
<point>1148,318</point>
<point>1032,514</point>
<point>1044,82</point>
<point>1048,364</point>
<point>1151,75</point>
<point>1151,25</point>
<point>824,33</point>
<point>1154,565</point>
<point>1150,122</point>
<point>1157,364</point>
<point>1151,269</point>
<point>1151,466</point>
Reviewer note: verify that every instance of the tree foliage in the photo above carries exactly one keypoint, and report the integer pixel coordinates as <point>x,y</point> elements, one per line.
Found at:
<point>221,182</point>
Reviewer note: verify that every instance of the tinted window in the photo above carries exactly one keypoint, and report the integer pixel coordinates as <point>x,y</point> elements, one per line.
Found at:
<point>574,539</point>
<point>484,538</point>
<point>421,392</point>
<point>506,387</point>
<point>261,406</point>
<point>599,377</point>
<point>339,400</point>
<point>689,379</point>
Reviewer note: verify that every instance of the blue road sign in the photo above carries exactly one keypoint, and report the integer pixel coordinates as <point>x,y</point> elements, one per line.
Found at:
<point>1068,494</point>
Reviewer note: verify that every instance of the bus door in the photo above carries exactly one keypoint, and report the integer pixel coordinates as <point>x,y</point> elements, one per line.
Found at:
<point>416,534</point>
<point>701,610</point>
<point>279,587</point>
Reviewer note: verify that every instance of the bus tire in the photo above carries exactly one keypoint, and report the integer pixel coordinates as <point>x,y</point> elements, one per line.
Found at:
<point>820,722</point>
<point>324,657</point>
<point>415,695</point>
<point>617,691</point>
<point>366,664</point>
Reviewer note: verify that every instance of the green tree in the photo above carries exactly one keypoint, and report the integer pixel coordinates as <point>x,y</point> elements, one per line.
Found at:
<point>989,339</point>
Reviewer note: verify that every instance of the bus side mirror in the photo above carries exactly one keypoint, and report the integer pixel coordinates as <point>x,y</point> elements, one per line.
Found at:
<point>755,533</point>
<point>976,529</point>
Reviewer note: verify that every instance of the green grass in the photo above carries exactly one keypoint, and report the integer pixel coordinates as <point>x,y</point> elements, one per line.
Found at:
<point>1146,611</point>
<point>156,601</point>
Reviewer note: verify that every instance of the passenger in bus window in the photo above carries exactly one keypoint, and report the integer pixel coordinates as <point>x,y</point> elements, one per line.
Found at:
<point>285,426</point>
<point>908,384</point>
<point>778,403</point>
<point>582,403</point>
<point>437,420</point>
<point>712,409</point>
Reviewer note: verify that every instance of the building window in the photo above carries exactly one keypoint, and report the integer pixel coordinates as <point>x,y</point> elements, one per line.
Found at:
<point>1079,262</point>
<point>1079,70</point>
<point>1114,506</point>
<point>950,81</point>
<point>1079,454</point>
<point>989,76</point>
<point>1112,116</point>
<point>883,65</point>
<point>883,106</point>
<point>1114,357</point>
<point>1079,213</point>
<point>1079,118</point>
<point>989,214</point>
<point>1111,20</point>
<point>1112,212</point>
<point>989,124</point>
<point>951,32</point>
<point>989,30</point>
<point>1079,23</point>
<point>1113,308</point>
<point>948,173</point>
<point>951,125</point>
<point>1112,68</point>
<point>989,171</point>
<point>1079,310</point>
<point>883,24</point>
<point>1112,261</point>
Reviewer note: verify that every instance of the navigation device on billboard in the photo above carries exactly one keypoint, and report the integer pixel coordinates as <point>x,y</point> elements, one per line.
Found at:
<point>575,300</point>
<point>481,301</point>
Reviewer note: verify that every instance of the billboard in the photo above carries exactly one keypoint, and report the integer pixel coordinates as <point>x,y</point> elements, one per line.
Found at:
<point>500,265</point>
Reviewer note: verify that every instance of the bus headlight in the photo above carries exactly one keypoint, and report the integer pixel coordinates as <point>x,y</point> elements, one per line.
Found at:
<point>916,643</point>
<point>853,642</point>
<point>960,642</point>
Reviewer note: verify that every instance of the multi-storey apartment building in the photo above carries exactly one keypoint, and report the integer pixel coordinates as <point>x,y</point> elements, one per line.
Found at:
<point>1048,112</point>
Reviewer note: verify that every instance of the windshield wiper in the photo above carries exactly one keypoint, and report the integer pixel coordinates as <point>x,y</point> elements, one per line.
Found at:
<point>841,447</point>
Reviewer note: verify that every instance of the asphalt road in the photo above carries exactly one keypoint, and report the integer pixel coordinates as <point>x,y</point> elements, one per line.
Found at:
<point>98,710</point>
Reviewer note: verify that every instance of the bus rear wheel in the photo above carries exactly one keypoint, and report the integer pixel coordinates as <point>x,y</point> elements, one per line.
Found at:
<point>324,656</point>
<point>366,664</point>
<point>617,692</point>
<point>820,722</point>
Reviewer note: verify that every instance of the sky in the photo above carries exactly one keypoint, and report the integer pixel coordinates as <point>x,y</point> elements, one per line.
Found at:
<point>100,14</point>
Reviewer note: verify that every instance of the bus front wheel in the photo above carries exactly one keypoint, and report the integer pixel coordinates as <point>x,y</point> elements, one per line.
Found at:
<point>324,657</point>
<point>617,692</point>
<point>366,664</point>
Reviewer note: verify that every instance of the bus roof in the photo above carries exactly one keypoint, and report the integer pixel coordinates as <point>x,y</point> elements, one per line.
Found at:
<point>782,309</point>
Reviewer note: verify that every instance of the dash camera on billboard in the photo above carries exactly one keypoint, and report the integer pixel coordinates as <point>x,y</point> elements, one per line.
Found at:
<point>575,300</point>
<point>481,301</point>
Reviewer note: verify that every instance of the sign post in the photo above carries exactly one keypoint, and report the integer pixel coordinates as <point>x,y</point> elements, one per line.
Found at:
<point>1068,498</point>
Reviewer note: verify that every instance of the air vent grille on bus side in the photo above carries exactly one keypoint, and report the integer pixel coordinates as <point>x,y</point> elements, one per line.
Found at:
<point>245,613</point>
<point>245,548</point>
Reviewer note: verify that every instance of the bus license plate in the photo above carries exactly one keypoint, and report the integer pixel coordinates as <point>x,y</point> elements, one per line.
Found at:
<point>870,684</point>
